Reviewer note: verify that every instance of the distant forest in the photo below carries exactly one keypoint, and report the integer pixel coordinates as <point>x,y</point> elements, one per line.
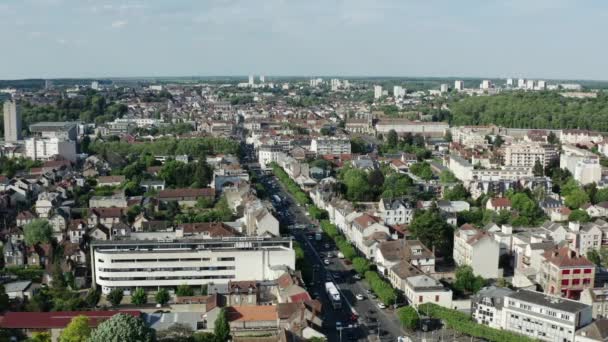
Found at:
<point>532,110</point>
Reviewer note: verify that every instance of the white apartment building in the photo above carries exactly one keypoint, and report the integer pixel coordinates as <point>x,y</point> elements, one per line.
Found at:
<point>544,317</point>
<point>459,85</point>
<point>530,84</point>
<point>422,289</point>
<point>377,92</point>
<point>526,154</point>
<point>486,84</point>
<point>12,122</point>
<point>157,263</point>
<point>140,122</point>
<point>44,149</point>
<point>584,165</point>
<point>521,83</point>
<point>541,85</point>
<point>487,305</point>
<point>396,211</point>
<point>444,88</point>
<point>398,91</point>
<point>268,154</point>
<point>330,145</point>
<point>477,248</point>
<point>579,136</point>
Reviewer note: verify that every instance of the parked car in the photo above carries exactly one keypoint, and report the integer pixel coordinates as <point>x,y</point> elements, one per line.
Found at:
<point>359,296</point>
<point>381,305</point>
<point>326,262</point>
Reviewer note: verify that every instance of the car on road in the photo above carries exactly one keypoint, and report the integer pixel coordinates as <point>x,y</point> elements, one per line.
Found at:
<point>381,305</point>
<point>359,296</point>
<point>326,261</point>
<point>357,276</point>
<point>368,291</point>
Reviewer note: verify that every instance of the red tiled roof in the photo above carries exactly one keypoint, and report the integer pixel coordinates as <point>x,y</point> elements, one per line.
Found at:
<point>252,313</point>
<point>501,202</point>
<point>300,297</point>
<point>59,319</point>
<point>107,212</point>
<point>365,220</point>
<point>565,257</point>
<point>215,229</point>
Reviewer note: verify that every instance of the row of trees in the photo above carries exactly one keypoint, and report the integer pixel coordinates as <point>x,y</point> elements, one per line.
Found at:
<point>382,288</point>
<point>195,147</point>
<point>290,185</point>
<point>532,110</point>
<point>361,185</point>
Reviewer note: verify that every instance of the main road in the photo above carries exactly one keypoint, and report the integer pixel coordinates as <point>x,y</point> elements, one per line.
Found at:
<point>373,321</point>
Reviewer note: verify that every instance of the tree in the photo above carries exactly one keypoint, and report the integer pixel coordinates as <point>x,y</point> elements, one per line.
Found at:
<point>576,198</point>
<point>177,332</point>
<point>115,296</point>
<point>538,170</point>
<point>422,170</point>
<point>601,195</point>
<point>361,265</point>
<point>391,138</point>
<point>446,177</point>
<point>431,229</point>
<point>77,331</point>
<point>122,327</point>
<point>184,291</point>
<point>139,297</point>
<point>221,328</point>
<point>552,138</point>
<point>579,215</point>
<point>37,231</point>
<point>4,300</point>
<point>40,337</point>
<point>162,296</point>
<point>466,281</point>
<point>595,257</point>
<point>203,337</point>
<point>456,193</point>
<point>408,317</point>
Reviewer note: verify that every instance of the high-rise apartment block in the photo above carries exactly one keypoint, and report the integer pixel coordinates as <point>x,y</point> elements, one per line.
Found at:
<point>12,121</point>
<point>459,85</point>
<point>377,92</point>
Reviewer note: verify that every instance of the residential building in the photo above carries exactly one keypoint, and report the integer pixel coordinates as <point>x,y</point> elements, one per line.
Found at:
<point>422,289</point>
<point>377,92</point>
<point>55,130</point>
<point>12,121</point>
<point>594,332</point>
<point>396,211</point>
<point>580,137</point>
<point>584,165</point>
<point>45,149</point>
<point>498,203</point>
<point>487,305</point>
<point>597,298</point>
<point>444,88</point>
<point>398,91</point>
<point>477,248</point>
<point>186,196</point>
<point>526,154</point>
<point>130,264</point>
<point>404,125</point>
<point>566,273</point>
<point>459,85</point>
<point>544,317</point>
<point>330,145</point>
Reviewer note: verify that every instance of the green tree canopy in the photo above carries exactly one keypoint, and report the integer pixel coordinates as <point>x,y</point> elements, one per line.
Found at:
<point>221,328</point>
<point>123,327</point>
<point>162,296</point>
<point>77,331</point>
<point>37,231</point>
<point>579,216</point>
<point>433,231</point>
<point>408,317</point>
<point>139,297</point>
<point>466,281</point>
<point>115,296</point>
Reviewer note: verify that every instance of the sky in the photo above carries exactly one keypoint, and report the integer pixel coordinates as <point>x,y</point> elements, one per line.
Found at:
<point>551,39</point>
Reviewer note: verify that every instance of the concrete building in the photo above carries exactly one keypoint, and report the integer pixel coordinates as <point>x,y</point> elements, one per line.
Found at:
<point>330,145</point>
<point>477,248</point>
<point>487,305</point>
<point>526,154</point>
<point>377,92</point>
<point>170,261</point>
<point>566,273</point>
<point>598,299</point>
<point>544,317</point>
<point>398,91</point>
<point>584,165</point>
<point>459,85</point>
<point>396,211</point>
<point>45,149</point>
<point>486,84</point>
<point>444,88</point>
<point>421,289</point>
<point>12,122</point>
<point>251,81</point>
<point>58,130</point>
<point>521,83</point>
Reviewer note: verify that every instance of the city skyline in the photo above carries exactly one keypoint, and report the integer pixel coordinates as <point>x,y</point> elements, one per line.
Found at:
<point>543,39</point>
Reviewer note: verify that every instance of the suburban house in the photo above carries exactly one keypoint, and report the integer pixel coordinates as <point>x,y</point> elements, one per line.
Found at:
<point>478,249</point>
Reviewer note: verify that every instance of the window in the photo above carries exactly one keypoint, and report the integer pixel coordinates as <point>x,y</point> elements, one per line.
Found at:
<point>226,259</point>
<point>565,282</point>
<point>437,298</point>
<point>587,271</point>
<point>100,260</point>
<point>576,281</point>
<point>566,272</point>
<point>419,299</point>
<point>586,281</point>
<point>577,271</point>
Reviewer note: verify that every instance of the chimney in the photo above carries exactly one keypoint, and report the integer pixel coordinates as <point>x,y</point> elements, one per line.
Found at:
<point>572,254</point>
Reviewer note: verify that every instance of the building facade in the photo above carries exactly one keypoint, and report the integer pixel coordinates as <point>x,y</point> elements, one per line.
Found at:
<point>12,122</point>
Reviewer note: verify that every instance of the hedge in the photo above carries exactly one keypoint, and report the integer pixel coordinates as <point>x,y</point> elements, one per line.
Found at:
<point>290,185</point>
<point>463,323</point>
<point>383,289</point>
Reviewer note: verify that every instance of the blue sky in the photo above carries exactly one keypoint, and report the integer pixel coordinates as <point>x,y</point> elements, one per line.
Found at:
<point>475,38</point>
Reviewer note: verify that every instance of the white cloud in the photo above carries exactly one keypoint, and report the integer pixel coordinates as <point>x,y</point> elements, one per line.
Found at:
<point>119,24</point>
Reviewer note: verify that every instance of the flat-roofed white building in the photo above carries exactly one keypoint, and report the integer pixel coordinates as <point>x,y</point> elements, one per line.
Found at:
<point>544,317</point>
<point>421,289</point>
<point>170,262</point>
<point>330,145</point>
<point>44,149</point>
